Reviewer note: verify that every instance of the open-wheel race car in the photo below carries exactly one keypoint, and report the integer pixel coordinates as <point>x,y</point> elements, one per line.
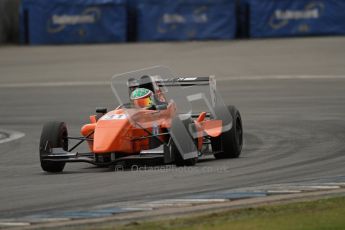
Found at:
<point>156,119</point>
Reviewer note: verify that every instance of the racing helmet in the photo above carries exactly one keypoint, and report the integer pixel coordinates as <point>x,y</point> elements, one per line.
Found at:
<point>142,98</point>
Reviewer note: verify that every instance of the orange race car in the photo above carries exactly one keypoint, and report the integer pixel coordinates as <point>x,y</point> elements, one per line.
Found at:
<point>150,124</point>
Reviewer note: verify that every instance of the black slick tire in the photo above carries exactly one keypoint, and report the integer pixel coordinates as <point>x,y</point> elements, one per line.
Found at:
<point>54,135</point>
<point>229,143</point>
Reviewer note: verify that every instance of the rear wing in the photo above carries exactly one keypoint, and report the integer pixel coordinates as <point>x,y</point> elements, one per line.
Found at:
<point>207,85</point>
<point>186,81</point>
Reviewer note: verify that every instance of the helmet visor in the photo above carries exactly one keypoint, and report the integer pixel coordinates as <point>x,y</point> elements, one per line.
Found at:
<point>143,102</point>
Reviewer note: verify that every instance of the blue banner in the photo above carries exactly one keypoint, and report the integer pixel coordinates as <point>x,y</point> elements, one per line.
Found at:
<point>77,21</point>
<point>278,18</point>
<point>186,19</point>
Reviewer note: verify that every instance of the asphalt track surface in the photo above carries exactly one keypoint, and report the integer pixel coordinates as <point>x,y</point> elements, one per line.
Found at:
<point>293,113</point>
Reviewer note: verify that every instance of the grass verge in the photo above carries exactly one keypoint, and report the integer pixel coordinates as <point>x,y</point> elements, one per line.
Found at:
<point>313,215</point>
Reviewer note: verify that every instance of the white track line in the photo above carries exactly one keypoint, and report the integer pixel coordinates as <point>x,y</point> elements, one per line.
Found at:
<point>173,201</point>
<point>178,202</point>
<point>270,192</point>
<point>340,184</point>
<point>55,84</point>
<point>317,187</point>
<point>107,83</point>
<point>14,224</point>
<point>12,135</point>
<point>284,77</point>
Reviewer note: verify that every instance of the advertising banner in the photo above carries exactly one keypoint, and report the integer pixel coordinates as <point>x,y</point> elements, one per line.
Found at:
<point>279,18</point>
<point>77,21</point>
<point>186,19</point>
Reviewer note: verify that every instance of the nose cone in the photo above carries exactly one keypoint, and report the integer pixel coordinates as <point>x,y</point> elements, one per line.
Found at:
<point>110,134</point>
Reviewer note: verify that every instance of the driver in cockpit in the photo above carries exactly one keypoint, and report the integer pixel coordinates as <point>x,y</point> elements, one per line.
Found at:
<point>143,98</point>
<point>142,94</point>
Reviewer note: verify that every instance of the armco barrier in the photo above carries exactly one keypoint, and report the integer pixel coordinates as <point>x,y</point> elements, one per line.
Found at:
<point>77,21</point>
<point>185,19</point>
<point>282,18</point>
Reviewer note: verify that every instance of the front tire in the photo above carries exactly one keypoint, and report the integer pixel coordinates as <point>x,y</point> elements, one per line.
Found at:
<point>54,135</point>
<point>187,140</point>
<point>179,161</point>
<point>229,143</point>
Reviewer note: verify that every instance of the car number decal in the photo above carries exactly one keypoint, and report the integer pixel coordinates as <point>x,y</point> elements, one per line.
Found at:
<point>114,117</point>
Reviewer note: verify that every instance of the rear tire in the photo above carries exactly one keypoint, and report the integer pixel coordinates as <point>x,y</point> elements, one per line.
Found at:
<point>54,135</point>
<point>229,143</point>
